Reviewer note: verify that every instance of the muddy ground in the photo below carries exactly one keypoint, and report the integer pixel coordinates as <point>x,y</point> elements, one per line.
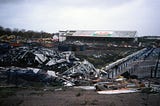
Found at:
<point>77,97</point>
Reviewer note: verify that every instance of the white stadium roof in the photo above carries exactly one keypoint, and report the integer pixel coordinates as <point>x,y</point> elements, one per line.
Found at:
<point>105,33</point>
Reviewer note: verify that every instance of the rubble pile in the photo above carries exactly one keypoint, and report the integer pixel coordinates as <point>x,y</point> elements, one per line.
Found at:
<point>25,66</point>
<point>81,72</point>
<point>27,76</point>
<point>48,66</point>
<point>39,58</point>
<point>123,85</point>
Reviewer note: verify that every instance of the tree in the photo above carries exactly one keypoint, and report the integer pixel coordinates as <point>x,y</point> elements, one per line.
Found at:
<point>8,31</point>
<point>1,28</point>
<point>2,32</point>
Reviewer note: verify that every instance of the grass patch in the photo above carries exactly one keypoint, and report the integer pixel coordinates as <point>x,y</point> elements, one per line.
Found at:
<point>8,102</point>
<point>94,102</point>
<point>78,94</point>
<point>5,92</point>
<point>84,103</point>
<point>37,93</point>
<point>112,104</point>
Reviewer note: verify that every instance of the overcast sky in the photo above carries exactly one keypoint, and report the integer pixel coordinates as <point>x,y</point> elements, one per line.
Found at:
<point>54,15</point>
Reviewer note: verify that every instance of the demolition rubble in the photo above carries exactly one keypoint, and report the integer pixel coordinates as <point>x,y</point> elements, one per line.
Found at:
<point>48,66</point>
<point>23,66</point>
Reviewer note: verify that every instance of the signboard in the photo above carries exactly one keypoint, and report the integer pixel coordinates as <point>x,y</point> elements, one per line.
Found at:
<point>103,33</point>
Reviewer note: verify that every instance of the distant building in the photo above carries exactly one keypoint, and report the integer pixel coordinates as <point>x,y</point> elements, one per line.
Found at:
<point>101,37</point>
<point>151,37</point>
<point>150,40</point>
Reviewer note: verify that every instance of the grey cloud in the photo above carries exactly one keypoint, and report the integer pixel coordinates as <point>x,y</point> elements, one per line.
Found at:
<point>9,1</point>
<point>68,3</point>
<point>52,15</point>
<point>86,3</point>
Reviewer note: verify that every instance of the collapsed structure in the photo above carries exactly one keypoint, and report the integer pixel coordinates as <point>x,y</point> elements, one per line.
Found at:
<point>48,66</point>
<point>37,57</point>
<point>24,65</point>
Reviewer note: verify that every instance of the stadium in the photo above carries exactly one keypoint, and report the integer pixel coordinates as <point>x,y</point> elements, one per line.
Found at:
<point>101,38</point>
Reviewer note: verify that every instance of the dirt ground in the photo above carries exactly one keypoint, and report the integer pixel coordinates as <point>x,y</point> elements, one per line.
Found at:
<point>78,97</point>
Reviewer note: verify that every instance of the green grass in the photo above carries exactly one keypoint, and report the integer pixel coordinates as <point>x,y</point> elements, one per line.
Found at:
<point>5,92</point>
